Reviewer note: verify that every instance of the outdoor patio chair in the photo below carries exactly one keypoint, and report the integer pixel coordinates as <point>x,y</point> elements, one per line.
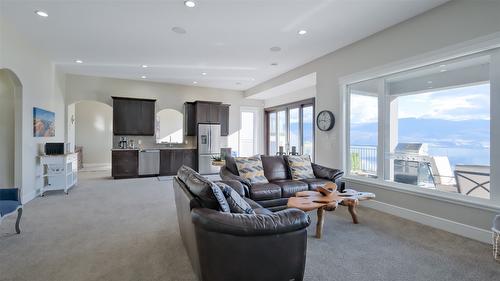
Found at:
<point>473,180</point>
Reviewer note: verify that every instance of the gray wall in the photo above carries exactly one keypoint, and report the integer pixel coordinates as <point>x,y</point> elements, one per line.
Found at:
<point>446,25</point>
<point>7,146</point>
<point>94,131</point>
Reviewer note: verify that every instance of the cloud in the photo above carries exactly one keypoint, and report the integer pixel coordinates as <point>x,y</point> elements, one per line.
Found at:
<point>466,103</point>
<point>364,109</point>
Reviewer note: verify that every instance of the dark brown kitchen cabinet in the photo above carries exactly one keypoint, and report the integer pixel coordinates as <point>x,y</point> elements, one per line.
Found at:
<point>133,116</point>
<point>172,159</point>
<point>224,119</point>
<point>125,164</point>
<point>189,119</point>
<point>205,112</point>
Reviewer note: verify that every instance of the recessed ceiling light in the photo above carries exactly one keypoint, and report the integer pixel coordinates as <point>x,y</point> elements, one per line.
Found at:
<point>443,70</point>
<point>194,82</point>
<point>302,32</point>
<point>144,66</point>
<point>179,30</point>
<point>41,13</point>
<point>189,3</point>
<point>443,65</point>
<point>78,61</point>
<point>274,64</point>
<point>275,49</point>
<point>429,82</point>
<point>144,77</point>
<point>203,73</point>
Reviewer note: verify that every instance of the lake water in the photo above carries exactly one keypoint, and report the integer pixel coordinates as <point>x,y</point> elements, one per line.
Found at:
<point>458,155</point>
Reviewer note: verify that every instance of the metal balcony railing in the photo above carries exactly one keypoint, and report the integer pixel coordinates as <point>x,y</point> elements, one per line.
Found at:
<point>364,159</point>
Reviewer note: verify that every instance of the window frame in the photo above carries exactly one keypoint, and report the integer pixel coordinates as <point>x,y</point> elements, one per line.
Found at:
<point>286,107</point>
<point>491,45</point>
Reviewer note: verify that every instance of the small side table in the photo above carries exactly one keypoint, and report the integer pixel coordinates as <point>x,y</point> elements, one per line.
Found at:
<point>59,172</point>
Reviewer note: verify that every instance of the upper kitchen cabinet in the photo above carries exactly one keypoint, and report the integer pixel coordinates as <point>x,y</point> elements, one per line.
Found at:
<point>224,119</point>
<point>205,112</point>
<point>133,116</point>
<point>190,119</point>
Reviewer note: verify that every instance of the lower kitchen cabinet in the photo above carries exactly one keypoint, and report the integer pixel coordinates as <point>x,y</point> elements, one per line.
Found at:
<point>172,159</point>
<point>125,164</point>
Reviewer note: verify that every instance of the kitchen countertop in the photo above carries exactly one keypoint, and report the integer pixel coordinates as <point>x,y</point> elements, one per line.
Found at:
<point>153,148</point>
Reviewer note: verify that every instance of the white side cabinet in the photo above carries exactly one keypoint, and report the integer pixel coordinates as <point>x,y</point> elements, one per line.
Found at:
<point>59,172</point>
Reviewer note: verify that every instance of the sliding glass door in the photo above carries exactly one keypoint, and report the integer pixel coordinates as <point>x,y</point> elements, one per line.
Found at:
<point>290,129</point>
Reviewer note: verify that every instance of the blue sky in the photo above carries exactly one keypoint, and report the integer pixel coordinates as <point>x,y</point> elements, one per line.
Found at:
<point>458,104</point>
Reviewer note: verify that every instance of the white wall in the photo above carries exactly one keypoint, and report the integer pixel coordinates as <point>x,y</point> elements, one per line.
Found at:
<point>302,94</point>
<point>94,131</point>
<point>446,25</point>
<point>171,126</point>
<point>79,87</point>
<point>40,88</point>
<point>7,146</point>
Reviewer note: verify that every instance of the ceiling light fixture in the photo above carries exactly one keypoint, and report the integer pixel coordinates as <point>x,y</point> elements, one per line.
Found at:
<point>194,82</point>
<point>429,82</point>
<point>179,30</point>
<point>78,61</point>
<point>302,32</point>
<point>443,65</point>
<point>189,3</point>
<point>443,70</point>
<point>41,13</point>
<point>144,66</point>
<point>203,73</point>
<point>144,77</point>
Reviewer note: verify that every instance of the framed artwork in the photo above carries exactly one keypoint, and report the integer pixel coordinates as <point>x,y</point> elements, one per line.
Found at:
<point>43,123</point>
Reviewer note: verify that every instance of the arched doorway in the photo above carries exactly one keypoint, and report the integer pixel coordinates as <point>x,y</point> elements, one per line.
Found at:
<point>10,130</point>
<point>90,127</point>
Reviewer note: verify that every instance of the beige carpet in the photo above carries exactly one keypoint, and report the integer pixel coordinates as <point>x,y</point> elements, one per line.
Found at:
<point>127,230</point>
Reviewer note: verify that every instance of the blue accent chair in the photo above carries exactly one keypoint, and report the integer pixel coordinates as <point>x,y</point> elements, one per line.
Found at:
<point>9,204</point>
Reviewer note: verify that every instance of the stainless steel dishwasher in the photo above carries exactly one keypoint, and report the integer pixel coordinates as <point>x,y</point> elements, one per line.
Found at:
<point>149,162</point>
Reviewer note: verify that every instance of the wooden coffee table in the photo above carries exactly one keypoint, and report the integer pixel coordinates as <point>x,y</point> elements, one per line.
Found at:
<point>312,200</point>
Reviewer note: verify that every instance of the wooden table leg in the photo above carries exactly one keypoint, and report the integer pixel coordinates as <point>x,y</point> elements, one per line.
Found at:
<point>321,220</point>
<point>352,209</point>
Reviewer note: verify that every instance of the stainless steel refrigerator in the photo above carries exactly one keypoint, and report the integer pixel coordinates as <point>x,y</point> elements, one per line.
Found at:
<point>209,145</point>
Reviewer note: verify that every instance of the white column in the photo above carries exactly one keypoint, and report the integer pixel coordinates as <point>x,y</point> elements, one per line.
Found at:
<point>495,127</point>
<point>383,125</point>
<point>391,134</point>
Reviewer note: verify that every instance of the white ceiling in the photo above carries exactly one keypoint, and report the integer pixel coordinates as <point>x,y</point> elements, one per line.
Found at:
<point>227,39</point>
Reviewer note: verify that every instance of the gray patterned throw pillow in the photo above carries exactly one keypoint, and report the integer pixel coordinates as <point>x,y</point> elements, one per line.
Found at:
<point>236,203</point>
<point>300,167</point>
<point>250,168</point>
<point>221,198</point>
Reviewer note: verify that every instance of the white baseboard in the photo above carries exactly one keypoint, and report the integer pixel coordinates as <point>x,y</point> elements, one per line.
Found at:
<point>96,165</point>
<point>30,196</point>
<point>461,229</point>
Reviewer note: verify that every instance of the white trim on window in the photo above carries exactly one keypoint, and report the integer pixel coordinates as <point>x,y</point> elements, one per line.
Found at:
<point>452,52</point>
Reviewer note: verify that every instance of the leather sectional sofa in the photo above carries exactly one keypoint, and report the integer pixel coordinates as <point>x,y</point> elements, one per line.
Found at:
<point>233,246</point>
<point>274,195</point>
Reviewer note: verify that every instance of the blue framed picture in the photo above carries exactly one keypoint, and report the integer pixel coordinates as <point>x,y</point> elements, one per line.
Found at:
<point>43,123</point>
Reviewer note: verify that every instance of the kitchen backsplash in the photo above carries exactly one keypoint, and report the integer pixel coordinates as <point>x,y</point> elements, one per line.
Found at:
<point>150,142</point>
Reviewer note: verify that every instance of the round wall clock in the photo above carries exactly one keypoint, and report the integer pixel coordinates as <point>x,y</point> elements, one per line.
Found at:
<point>325,120</point>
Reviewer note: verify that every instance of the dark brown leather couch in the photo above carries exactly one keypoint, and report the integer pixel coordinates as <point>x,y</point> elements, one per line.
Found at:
<point>274,195</point>
<point>227,246</point>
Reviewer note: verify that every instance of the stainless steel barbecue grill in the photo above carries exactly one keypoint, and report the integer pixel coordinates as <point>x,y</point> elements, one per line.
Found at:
<point>412,165</point>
